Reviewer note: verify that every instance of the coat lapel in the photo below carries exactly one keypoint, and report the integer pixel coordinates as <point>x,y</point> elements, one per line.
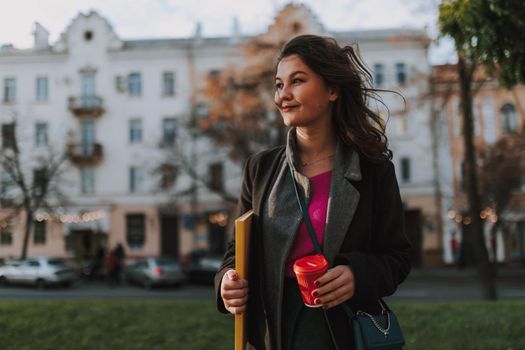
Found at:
<point>343,199</point>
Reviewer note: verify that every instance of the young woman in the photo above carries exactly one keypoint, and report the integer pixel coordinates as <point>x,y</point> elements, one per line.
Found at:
<point>338,154</point>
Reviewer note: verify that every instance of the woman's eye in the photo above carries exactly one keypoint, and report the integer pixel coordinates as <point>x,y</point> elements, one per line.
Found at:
<point>297,81</point>
<point>278,86</point>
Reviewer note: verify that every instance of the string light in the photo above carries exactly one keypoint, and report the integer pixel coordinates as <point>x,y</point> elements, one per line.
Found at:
<point>220,219</point>
<point>486,214</point>
<point>73,218</point>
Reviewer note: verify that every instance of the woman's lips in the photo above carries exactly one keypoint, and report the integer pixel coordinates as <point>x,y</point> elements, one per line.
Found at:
<point>288,108</point>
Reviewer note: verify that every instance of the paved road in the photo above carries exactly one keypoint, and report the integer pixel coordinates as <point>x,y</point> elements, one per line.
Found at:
<point>84,290</point>
<point>422,285</point>
<point>452,284</point>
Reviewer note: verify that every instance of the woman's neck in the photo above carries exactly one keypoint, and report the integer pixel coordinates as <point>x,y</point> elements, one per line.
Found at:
<point>315,142</point>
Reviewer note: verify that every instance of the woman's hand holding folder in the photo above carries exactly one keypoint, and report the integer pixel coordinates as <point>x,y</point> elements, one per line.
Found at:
<point>234,292</point>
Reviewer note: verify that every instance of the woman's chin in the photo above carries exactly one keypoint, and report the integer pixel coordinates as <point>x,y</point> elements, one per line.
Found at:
<point>292,122</point>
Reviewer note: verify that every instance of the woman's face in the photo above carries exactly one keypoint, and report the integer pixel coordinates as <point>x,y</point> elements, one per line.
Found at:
<point>301,94</point>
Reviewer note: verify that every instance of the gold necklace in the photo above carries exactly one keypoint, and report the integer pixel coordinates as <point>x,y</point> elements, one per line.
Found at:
<point>317,160</point>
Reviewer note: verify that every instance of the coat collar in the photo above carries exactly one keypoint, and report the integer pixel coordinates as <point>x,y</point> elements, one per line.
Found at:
<point>344,197</point>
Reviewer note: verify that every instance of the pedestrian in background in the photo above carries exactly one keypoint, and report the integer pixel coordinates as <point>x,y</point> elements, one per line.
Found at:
<point>338,155</point>
<point>115,262</point>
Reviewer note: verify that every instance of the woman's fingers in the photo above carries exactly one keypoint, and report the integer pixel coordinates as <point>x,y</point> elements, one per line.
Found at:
<point>236,310</point>
<point>237,301</point>
<point>234,292</point>
<point>335,286</point>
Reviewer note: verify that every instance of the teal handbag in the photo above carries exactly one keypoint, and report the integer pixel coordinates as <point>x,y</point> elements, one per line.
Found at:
<point>371,332</point>
<point>376,332</point>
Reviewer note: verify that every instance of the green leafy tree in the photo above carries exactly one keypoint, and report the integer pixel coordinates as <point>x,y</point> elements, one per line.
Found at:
<point>487,33</point>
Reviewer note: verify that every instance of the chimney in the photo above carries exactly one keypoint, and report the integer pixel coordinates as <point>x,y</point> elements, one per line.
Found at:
<point>41,36</point>
<point>236,33</point>
<point>197,37</point>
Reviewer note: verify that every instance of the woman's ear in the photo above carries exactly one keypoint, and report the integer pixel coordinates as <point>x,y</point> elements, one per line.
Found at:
<point>333,94</point>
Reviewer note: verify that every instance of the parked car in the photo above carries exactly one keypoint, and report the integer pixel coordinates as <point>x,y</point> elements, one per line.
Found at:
<point>7,268</point>
<point>38,271</point>
<point>150,272</point>
<point>201,268</point>
<point>92,269</point>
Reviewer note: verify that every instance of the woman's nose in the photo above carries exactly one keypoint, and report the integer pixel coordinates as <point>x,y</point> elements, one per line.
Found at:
<point>283,94</point>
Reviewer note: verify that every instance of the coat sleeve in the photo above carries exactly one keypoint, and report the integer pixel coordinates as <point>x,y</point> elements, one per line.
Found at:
<point>244,204</point>
<point>386,264</point>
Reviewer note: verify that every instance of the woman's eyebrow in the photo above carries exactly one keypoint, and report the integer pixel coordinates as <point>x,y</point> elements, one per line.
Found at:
<point>293,74</point>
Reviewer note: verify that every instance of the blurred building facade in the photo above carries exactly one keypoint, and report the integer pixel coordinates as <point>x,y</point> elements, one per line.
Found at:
<point>497,112</point>
<point>121,108</point>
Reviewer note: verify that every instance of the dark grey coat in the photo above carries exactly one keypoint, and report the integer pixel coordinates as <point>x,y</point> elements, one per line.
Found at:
<point>364,230</point>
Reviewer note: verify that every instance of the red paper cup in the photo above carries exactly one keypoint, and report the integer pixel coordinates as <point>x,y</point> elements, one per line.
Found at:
<point>307,270</point>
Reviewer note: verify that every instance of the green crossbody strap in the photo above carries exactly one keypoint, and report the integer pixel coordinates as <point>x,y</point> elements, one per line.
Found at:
<point>311,232</point>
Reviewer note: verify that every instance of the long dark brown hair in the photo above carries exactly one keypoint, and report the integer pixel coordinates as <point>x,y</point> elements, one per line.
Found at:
<point>342,68</point>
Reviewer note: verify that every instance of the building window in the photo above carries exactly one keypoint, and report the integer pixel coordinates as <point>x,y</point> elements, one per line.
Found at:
<point>508,120</point>
<point>135,230</point>
<point>6,234</point>
<point>88,89</point>
<point>135,131</point>
<point>88,35</point>
<point>463,180</point>
<point>402,125</point>
<point>458,118</point>
<point>39,234</point>
<point>41,134</point>
<point>135,84</point>
<point>405,169</point>
<point>69,242</point>
<point>8,135</point>
<point>39,181</point>
<point>216,176</point>
<point>401,73</point>
<point>136,179</point>
<point>168,175</point>
<point>168,84</point>
<point>6,184</point>
<point>169,131</point>
<point>87,137</point>
<point>120,84</point>
<point>87,180</point>
<point>41,89</point>
<point>379,74</point>
<point>9,90</point>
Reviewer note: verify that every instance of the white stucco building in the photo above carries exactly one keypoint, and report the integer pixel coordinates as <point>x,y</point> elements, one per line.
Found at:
<point>112,104</point>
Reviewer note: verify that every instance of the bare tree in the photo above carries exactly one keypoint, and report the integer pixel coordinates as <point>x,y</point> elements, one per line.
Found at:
<point>501,175</point>
<point>177,160</point>
<point>27,189</point>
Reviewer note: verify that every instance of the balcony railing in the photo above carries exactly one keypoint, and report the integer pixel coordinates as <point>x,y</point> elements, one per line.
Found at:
<point>89,106</point>
<point>86,153</point>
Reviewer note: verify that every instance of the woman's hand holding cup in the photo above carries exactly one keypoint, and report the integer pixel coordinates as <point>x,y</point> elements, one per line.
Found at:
<point>335,287</point>
<point>234,292</point>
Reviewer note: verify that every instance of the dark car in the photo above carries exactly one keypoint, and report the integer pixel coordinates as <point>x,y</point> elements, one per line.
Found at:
<point>150,272</point>
<point>201,268</point>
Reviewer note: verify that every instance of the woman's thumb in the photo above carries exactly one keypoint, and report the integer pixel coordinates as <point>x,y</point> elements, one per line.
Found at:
<point>233,276</point>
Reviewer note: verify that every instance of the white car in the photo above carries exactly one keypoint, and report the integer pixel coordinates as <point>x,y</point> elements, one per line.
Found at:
<point>38,271</point>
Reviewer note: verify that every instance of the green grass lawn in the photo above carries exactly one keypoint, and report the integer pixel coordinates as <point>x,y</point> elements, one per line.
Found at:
<point>196,325</point>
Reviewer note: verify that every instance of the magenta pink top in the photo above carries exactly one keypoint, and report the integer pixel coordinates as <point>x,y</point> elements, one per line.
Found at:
<point>317,208</point>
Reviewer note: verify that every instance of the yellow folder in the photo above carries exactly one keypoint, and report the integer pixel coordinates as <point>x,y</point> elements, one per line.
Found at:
<point>243,228</point>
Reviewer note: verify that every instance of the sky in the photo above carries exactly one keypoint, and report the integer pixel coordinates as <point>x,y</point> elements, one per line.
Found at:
<point>142,19</point>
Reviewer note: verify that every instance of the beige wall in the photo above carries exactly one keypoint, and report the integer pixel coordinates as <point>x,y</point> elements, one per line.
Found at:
<point>54,245</point>
<point>117,231</point>
<point>427,205</point>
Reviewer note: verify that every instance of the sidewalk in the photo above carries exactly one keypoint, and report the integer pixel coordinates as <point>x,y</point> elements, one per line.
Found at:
<point>453,284</point>
<point>454,274</point>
